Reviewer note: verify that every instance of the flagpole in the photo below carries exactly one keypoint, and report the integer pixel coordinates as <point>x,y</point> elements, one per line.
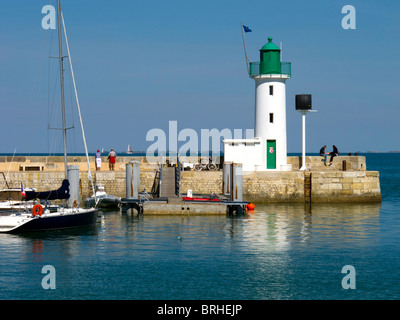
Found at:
<point>244,46</point>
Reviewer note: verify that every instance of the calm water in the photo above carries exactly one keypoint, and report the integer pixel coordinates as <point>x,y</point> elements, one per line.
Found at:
<point>279,252</point>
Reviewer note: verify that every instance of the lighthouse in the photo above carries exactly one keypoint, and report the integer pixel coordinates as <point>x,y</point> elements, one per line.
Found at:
<point>270,75</point>
<point>268,150</point>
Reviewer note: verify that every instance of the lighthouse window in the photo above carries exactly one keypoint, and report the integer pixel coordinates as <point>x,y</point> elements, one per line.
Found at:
<point>271,90</point>
<point>271,118</point>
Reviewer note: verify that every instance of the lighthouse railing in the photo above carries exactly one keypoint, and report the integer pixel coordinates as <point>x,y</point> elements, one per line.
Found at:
<point>286,68</point>
<point>254,69</point>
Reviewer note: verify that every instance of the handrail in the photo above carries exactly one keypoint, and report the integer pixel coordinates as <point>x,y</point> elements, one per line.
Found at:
<point>254,69</point>
<point>178,178</point>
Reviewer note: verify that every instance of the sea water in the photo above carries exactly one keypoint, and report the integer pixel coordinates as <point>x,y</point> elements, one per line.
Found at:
<point>281,251</point>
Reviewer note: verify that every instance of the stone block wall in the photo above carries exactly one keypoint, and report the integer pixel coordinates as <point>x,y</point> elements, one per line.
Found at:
<point>330,184</point>
<point>270,187</point>
<point>358,186</point>
<point>204,182</point>
<point>315,163</point>
<point>257,187</point>
<point>114,182</point>
<point>274,187</point>
<point>56,163</point>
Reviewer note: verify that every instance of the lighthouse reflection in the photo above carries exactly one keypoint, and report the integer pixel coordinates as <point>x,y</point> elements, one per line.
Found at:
<point>280,226</point>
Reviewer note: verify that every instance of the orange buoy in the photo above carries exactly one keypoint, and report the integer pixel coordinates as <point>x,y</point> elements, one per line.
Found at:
<point>251,206</point>
<point>37,210</point>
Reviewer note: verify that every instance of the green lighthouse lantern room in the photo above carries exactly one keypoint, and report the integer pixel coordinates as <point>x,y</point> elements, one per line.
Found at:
<point>270,62</point>
<point>270,58</point>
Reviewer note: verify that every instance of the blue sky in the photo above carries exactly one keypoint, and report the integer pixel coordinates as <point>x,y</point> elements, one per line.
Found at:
<point>140,64</point>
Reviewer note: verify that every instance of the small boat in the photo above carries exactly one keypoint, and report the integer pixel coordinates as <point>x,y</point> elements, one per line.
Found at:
<point>200,199</point>
<point>213,197</point>
<point>103,199</point>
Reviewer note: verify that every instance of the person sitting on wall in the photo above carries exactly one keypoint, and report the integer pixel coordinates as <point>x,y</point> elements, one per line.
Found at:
<point>335,152</point>
<point>324,154</point>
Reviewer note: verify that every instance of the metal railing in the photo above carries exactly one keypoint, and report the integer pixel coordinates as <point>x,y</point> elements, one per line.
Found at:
<point>254,69</point>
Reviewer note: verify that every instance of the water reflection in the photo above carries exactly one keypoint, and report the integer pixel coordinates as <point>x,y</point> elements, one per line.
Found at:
<point>297,251</point>
<point>267,254</point>
<point>281,226</point>
<point>270,227</point>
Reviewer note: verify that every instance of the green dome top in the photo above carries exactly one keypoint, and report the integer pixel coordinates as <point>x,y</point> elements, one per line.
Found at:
<point>270,46</point>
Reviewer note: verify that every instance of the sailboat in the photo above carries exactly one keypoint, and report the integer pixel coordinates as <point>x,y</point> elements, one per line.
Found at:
<point>129,151</point>
<point>72,216</point>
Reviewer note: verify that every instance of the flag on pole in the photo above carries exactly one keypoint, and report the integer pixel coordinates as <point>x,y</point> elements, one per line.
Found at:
<point>246,29</point>
<point>23,193</point>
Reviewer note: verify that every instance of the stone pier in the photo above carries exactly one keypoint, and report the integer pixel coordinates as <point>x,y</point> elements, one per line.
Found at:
<point>347,180</point>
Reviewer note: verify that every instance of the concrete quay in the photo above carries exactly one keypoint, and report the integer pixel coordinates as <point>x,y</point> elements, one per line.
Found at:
<point>347,180</point>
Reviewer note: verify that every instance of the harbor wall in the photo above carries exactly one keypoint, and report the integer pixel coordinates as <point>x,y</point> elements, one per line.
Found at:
<point>320,184</point>
<point>356,186</point>
<point>275,187</point>
<point>56,163</point>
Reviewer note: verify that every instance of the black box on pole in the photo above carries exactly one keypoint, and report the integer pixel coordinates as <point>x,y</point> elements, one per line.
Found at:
<point>303,101</point>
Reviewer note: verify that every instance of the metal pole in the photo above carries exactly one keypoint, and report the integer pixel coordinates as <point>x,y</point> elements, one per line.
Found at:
<point>64,126</point>
<point>245,52</point>
<point>303,167</point>
<point>79,108</point>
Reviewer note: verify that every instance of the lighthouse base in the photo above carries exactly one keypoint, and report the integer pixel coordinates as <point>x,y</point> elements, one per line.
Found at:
<point>255,155</point>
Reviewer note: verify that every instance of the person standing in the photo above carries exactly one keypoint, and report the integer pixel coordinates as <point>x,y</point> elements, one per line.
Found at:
<point>322,153</point>
<point>98,160</point>
<point>335,152</point>
<point>111,159</point>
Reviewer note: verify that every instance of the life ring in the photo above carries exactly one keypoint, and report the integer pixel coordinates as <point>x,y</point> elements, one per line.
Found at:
<point>37,210</point>
<point>250,206</point>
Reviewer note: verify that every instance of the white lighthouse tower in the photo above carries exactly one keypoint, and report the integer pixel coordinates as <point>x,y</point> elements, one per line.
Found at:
<point>270,75</point>
<point>267,151</point>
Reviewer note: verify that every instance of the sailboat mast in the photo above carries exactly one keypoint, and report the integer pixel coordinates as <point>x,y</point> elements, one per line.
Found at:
<point>78,106</point>
<point>64,126</point>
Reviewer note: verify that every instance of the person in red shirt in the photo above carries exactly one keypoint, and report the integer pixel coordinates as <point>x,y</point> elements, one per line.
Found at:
<point>111,159</point>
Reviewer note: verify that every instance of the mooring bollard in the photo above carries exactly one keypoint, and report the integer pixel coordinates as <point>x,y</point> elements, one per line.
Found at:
<point>227,179</point>
<point>73,178</point>
<point>237,182</point>
<point>132,179</point>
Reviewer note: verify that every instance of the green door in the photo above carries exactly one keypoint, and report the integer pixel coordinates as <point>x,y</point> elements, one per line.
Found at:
<point>271,154</point>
